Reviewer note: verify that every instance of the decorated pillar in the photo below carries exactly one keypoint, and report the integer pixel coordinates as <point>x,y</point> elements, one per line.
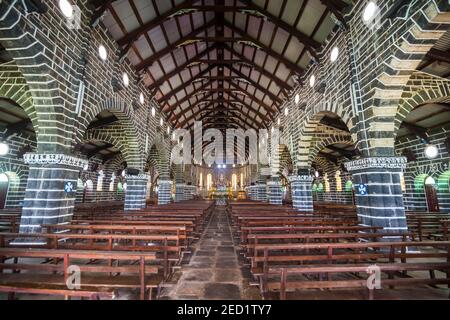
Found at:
<point>164,191</point>
<point>179,191</point>
<point>136,193</point>
<point>301,189</point>
<point>51,190</point>
<point>275,193</point>
<point>378,192</point>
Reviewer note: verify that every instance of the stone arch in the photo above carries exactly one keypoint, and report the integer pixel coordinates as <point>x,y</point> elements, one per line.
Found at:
<point>310,124</point>
<point>126,126</point>
<point>99,135</point>
<point>319,145</point>
<point>14,87</point>
<point>34,63</point>
<point>159,158</point>
<point>439,94</point>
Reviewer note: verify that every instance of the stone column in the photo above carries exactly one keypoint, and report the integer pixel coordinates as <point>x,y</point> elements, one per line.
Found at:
<point>261,189</point>
<point>275,194</point>
<point>51,190</point>
<point>378,192</point>
<point>301,189</point>
<point>179,191</point>
<point>136,193</point>
<point>164,191</point>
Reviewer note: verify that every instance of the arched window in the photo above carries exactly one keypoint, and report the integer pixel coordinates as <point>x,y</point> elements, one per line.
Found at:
<point>338,181</point>
<point>119,187</point>
<point>430,181</point>
<point>201,180</point>
<point>242,180</point>
<point>349,186</point>
<point>88,185</point>
<point>111,184</point>
<point>326,182</point>
<point>100,181</point>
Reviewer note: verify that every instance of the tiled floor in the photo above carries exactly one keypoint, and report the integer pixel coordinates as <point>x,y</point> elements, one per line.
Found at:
<point>213,271</point>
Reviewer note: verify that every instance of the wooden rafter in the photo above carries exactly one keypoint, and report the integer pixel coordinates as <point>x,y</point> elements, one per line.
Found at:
<point>289,64</point>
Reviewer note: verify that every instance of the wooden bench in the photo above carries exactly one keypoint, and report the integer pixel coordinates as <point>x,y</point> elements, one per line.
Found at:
<point>344,255</point>
<point>49,274</point>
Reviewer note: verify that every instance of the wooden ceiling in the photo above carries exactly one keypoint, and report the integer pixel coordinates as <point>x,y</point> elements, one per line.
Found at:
<point>225,62</point>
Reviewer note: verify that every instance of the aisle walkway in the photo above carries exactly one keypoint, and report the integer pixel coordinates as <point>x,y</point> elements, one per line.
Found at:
<point>213,272</point>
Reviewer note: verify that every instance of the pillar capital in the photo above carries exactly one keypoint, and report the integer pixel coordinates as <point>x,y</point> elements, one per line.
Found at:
<point>384,163</point>
<point>140,176</point>
<point>54,159</point>
<point>301,179</point>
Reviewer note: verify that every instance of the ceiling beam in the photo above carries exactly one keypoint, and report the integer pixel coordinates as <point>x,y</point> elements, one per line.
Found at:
<point>257,86</point>
<point>135,34</point>
<point>186,84</point>
<point>269,75</point>
<point>336,11</point>
<point>180,68</point>
<point>311,44</point>
<point>245,37</point>
<point>171,47</point>
<point>261,103</point>
<point>100,11</point>
<point>179,115</point>
<point>249,107</point>
<point>173,107</point>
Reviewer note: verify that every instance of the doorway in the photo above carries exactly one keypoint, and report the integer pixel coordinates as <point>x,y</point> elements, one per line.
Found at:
<point>431,195</point>
<point>4,185</point>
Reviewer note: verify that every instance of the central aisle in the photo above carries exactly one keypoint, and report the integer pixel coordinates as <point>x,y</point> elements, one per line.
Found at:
<point>213,271</point>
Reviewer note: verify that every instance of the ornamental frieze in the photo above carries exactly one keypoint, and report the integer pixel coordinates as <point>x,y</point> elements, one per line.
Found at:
<point>52,159</point>
<point>377,162</point>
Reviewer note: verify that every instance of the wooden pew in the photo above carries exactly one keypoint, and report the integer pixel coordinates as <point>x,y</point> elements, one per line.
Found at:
<point>334,258</point>
<point>95,277</point>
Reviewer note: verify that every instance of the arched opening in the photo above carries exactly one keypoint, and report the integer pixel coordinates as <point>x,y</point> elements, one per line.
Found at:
<point>4,186</point>
<point>17,137</point>
<point>431,194</point>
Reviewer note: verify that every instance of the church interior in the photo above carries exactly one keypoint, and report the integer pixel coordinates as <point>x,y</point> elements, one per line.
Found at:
<point>114,120</point>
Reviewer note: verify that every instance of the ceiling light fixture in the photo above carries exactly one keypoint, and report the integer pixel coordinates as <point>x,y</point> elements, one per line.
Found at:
<point>431,151</point>
<point>297,98</point>
<point>312,81</point>
<point>334,54</point>
<point>66,8</point>
<point>370,11</point>
<point>125,79</point>
<point>102,52</point>
<point>4,149</point>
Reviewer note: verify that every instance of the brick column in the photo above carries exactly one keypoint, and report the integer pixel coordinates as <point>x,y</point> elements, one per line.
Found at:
<point>179,191</point>
<point>275,194</point>
<point>51,190</point>
<point>301,188</point>
<point>382,203</point>
<point>164,191</point>
<point>136,193</point>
